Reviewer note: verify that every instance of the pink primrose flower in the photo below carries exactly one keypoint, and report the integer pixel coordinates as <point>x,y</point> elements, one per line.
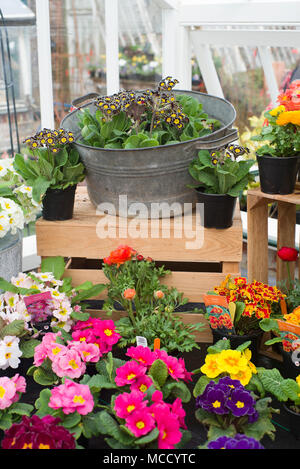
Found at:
<point>72,397</point>
<point>7,392</point>
<point>68,363</point>
<point>88,352</point>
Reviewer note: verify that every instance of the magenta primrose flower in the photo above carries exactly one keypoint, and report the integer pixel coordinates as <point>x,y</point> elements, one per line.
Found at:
<point>97,331</point>
<point>141,354</point>
<point>72,397</point>
<point>129,373</point>
<point>140,422</point>
<point>127,403</point>
<point>142,384</point>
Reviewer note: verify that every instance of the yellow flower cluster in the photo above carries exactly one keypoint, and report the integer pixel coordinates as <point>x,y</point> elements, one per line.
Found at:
<point>234,363</point>
<point>293,317</point>
<point>277,110</point>
<point>288,117</point>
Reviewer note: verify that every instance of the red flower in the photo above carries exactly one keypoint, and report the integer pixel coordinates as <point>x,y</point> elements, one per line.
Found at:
<point>120,255</point>
<point>288,254</point>
<point>129,293</point>
<point>38,433</point>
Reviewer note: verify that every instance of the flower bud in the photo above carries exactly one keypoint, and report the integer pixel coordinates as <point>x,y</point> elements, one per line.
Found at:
<point>158,294</point>
<point>129,293</point>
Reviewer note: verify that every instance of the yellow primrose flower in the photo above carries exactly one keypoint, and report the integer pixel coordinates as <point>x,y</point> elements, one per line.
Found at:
<point>243,375</point>
<point>211,366</point>
<point>232,361</point>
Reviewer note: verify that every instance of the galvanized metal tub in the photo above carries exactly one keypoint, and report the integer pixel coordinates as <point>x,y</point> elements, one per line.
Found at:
<point>11,255</point>
<point>151,176</point>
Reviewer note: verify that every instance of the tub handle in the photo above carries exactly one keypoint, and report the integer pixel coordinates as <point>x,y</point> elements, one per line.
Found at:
<point>230,136</point>
<point>84,98</point>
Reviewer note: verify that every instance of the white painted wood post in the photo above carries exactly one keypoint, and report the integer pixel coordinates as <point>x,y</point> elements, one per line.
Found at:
<point>266,61</point>
<point>207,67</point>
<point>112,47</point>
<point>184,70</point>
<point>170,29</point>
<point>45,64</point>
<point>25,63</point>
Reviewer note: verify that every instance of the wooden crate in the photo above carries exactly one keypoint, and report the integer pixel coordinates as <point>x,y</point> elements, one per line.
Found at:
<point>257,231</point>
<point>194,271</point>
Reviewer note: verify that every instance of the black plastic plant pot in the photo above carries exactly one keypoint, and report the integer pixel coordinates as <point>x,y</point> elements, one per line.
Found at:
<point>58,204</point>
<point>218,209</point>
<point>290,369</point>
<point>294,421</point>
<point>237,340</point>
<point>277,174</point>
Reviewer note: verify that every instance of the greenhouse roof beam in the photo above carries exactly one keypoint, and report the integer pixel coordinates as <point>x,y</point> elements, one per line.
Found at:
<point>249,37</point>
<point>274,13</point>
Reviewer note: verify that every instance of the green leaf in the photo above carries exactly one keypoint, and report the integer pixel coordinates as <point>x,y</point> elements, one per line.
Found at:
<point>15,328</point>
<point>272,382</point>
<point>149,438</point>
<point>177,389</point>
<point>21,408</point>
<point>86,294</point>
<point>215,432</point>
<point>39,188</point>
<point>27,347</point>
<point>159,372</point>
<point>107,425</point>
<point>5,422</point>
<point>71,420</point>
<point>56,265</point>
<point>149,142</point>
<point>79,316</point>
<point>240,307</point>
<point>219,346</point>
<point>263,426</point>
<point>201,385</point>
<point>44,377</point>
<point>269,324</point>
<point>132,142</point>
<point>42,402</point>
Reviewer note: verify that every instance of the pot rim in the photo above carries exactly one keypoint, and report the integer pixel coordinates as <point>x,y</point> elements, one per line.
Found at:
<point>198,139</point>
<point>269,157</point>
<point>246,336</point>
<point>290,410</point>
<point>215,195</point>
<point>56,190</point>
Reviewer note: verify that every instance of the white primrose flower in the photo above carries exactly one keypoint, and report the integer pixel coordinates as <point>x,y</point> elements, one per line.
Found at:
<point>13,212</point>
<point>4,224</point>
<point>9,352</point>
<point>65,325</point>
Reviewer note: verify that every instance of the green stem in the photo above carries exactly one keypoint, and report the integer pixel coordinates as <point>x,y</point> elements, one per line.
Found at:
<point>289,275</point>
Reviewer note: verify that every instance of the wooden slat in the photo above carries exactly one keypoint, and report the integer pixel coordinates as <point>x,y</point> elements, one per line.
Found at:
<point>81,236</point>
<point>293,198</point>
<point>257,236</point>
<point>203,336</point>
<point>192,284</point>
<point>285,237</point>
